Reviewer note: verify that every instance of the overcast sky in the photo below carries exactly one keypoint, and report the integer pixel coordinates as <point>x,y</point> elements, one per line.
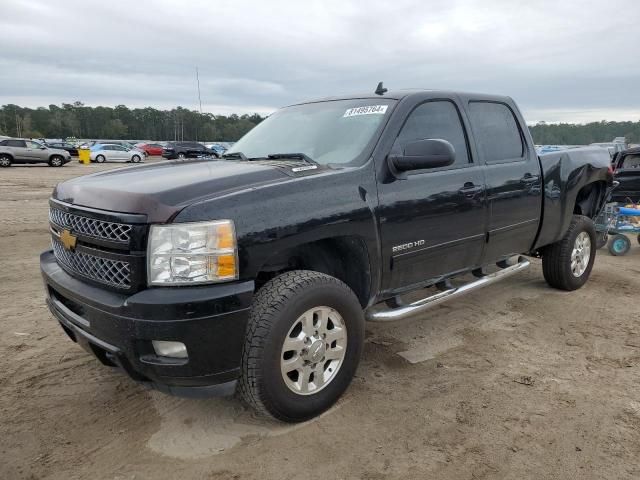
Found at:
<point>561,60</point>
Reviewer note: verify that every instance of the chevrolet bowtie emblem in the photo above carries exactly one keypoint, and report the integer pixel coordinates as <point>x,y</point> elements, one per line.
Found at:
<point>68,240</point>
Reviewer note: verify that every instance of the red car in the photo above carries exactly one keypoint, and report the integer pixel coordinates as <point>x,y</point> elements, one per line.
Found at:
<point>150,148</point>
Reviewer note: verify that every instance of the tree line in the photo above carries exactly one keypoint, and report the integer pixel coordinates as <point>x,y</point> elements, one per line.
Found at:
<point>120,122</point>
<point>575,134</point>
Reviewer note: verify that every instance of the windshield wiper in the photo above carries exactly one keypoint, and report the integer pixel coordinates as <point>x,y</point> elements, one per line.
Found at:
<point>293,156</point>
<point>239,155</point>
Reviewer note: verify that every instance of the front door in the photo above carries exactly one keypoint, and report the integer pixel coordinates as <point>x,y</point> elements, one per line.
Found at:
<point>120,153</point>
<point>36,152</point>
<point>433,222</point>
<point>512,173</point>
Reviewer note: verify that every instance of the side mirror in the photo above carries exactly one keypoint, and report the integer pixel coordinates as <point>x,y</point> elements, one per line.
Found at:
<point>420,154</point>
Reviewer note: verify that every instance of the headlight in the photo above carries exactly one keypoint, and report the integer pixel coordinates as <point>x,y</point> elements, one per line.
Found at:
<point>192,253</point>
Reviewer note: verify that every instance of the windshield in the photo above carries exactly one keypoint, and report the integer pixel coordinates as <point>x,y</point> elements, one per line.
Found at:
<point>332,132</point>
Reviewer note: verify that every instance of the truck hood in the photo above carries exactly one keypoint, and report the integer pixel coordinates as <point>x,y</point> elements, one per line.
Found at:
<point>161,190</point>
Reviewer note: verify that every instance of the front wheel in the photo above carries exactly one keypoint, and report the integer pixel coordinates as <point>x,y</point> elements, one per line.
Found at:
<point>56,161</point>
<point>303,345</point>
<point>181,156</point>
<point>567,264</point>
<point>100,159</point>
<point>135,159</point>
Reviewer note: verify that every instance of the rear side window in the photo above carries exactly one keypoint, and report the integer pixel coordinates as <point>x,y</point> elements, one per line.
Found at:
<point>496,130</point>
<point>631,161</point>
<point>16,143</point>
<point>437,119</point>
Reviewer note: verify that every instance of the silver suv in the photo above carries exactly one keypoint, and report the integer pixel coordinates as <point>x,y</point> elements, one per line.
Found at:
<point>17,150</point>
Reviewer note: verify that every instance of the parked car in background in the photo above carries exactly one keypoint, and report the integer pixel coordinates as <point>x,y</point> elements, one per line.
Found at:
<point>72,149</point>
<point>150,148</point>
<point>101,153</point>
<point>123,143</point>
<point>626,165</point>
<point>19,150</point>
<point>216,147</point>
<point>186,150</point>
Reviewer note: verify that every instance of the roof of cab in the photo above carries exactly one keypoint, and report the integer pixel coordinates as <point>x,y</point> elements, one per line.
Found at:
<point>402,93</point>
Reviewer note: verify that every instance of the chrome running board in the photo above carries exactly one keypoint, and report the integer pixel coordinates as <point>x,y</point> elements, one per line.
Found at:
<point>424,304</point>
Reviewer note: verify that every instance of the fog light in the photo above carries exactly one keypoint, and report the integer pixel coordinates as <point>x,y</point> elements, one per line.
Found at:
<point>164,348</point>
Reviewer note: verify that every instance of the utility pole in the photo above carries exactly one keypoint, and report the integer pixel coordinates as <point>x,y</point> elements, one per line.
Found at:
<point>198,80</point>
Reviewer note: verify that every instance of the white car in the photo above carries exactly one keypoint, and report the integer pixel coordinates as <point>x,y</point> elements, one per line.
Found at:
<point>101,153</point>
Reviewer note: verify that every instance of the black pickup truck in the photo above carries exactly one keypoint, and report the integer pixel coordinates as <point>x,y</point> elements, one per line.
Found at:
<point>256,272</point>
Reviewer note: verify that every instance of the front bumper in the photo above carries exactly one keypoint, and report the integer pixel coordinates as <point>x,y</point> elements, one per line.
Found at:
<point>118,329</point>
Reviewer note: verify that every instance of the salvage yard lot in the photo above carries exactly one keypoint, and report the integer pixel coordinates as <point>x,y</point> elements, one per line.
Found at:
<point>515,381</point>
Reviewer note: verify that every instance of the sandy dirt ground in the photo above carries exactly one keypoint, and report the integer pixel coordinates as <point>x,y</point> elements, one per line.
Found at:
<point>516,381</point>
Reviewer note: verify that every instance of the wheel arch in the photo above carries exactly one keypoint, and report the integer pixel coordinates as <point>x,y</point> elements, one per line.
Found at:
<point>590,198</point>
<point>344,257</point>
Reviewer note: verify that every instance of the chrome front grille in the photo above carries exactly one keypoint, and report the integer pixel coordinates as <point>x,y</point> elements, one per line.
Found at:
<point>91,227</point>
<point>115,273</point>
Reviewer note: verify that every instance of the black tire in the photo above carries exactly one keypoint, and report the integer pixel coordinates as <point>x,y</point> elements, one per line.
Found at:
<point>638,238</point>
<point>5,161</point>
<point>619,245</point>
<point>100,159</point>
<point>136,159</point>
<point>182,156</point>
<point>56,161</point>
<point>601,239</point>
<point>276,308</point>
<point>556,258</point>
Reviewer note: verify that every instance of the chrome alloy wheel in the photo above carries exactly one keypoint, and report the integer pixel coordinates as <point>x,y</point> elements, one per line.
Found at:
<point>581,254</point>
<point>313,351</point>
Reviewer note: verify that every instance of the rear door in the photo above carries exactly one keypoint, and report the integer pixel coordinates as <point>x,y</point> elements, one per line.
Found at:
<point>20,151</point>
<point>432,222</point>
<point>109,152</point>
<point>512,174</point>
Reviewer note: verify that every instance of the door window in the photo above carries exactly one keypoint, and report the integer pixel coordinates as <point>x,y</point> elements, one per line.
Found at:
<point>16,143</point>
<point>631,161</point>
<point>496,130</point>
<point>33,145</point>
<point>437,120</point>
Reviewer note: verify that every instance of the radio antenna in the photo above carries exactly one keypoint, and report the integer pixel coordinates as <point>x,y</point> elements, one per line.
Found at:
<point>380,90</point>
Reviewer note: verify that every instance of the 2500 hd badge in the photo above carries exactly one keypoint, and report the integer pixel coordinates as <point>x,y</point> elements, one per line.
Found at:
<point>407,246</point>
<point>256,272</point>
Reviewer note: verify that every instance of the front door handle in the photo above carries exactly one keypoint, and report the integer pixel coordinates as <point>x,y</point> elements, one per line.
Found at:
<point>470,189</point>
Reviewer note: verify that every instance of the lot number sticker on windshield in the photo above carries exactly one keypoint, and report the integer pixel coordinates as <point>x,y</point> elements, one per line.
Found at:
<point>370,110</point>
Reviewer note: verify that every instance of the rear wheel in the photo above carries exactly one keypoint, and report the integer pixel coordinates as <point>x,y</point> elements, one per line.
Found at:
<point>181,156</point>
<point>567,264</point>
<point>619,245</point>
<point>100,159</point>
<point>56,161</point>
<point>5,161</point>
<point>303,345</point>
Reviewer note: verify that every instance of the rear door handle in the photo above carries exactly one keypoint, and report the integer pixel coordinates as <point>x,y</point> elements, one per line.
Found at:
<point>470,189</point>
<point>529,179</point>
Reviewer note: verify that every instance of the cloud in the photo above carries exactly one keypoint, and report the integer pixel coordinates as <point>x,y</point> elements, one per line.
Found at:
<point>567,60</point>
